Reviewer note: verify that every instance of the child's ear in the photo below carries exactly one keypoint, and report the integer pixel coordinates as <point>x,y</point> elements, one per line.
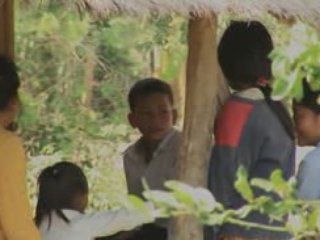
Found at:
<point>174,116</point>
<point>132,120</point>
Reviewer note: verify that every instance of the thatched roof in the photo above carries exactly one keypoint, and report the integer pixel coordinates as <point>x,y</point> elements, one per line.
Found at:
<point>303,9</point>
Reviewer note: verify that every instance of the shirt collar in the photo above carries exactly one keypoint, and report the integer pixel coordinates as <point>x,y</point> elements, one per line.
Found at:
<point>70,214</point>
<point>137,148</point>
<point>251,93</point>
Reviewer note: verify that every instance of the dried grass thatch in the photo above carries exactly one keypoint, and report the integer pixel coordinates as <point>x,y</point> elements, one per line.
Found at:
<point>303,9</point>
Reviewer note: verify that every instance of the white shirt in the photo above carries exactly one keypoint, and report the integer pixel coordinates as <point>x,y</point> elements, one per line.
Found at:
<point>90,226</point>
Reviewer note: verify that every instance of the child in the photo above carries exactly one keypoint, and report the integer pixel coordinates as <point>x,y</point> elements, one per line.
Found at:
<point>63,197</point>
<point>307,120</point>
<point>251,129</point>
<point>15,211</point>
<point>154,155</point>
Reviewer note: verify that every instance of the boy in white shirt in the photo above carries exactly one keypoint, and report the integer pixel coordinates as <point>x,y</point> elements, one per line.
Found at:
<point>63,197</point>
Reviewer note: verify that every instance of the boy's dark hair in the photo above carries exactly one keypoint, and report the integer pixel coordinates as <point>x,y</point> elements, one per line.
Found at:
<point>243,55</point>
<point>146,87</point>
<point>9,81</point>
<point>58,187</point>
<point>310,99</point>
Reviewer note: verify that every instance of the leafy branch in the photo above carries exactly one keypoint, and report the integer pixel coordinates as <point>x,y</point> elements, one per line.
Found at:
<point>276,198</point>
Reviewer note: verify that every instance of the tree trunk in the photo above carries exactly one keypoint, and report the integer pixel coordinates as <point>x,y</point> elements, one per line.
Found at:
<point>201,106</point>
<point>179,92</point>
<point>7,28</point>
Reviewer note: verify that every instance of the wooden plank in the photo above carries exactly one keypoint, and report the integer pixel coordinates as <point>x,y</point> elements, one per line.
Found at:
<point>7,28</point>
<point>201,103</point>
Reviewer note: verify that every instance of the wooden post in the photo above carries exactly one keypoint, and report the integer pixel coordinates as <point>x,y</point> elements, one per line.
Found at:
<point>202,91</point>
<point>7,28</point>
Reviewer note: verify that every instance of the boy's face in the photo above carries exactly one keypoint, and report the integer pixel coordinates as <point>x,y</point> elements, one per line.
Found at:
<point>307,125</point>
<point>153,115</point>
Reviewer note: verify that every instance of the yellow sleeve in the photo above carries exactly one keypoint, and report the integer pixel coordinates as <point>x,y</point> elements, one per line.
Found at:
<point>15,213</point>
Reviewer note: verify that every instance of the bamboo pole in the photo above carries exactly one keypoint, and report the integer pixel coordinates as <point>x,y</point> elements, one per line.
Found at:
<point>7,28</point>
<point>201,95</point>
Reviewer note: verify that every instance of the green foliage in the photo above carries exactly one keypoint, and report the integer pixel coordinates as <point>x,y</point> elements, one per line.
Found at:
<point>297,60</point>
<point>242,185</point>
<point>76,73</point>
<point>299,218</point>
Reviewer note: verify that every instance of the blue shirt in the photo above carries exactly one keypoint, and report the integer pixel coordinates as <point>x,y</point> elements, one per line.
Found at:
<point>309,175</point>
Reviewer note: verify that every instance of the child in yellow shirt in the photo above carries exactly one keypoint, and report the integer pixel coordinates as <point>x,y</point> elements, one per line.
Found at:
<point>15,215</point>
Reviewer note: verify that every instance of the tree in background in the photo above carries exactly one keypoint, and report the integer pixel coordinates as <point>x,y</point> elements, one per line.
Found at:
<point>76,72</point>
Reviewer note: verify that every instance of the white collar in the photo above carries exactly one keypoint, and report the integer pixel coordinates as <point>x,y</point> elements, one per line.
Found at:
<point>70,213</point>
<point>251,93</point>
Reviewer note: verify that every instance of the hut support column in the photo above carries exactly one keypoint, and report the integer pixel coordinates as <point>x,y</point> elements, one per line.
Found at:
<point>7,28</point>
<point>201,98</point>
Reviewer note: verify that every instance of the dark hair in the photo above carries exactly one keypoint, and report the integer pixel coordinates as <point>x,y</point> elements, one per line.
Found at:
<point>243,55</point>
<point>146,87</point>
<point>310,99</point>
<point>58,187</point>
<point>9,81</point>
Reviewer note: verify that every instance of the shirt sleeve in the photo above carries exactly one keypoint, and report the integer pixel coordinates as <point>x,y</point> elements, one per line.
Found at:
<point>308,178</point>
<point>107,223</point>
<point>15,212</point>
<point>128,173</point>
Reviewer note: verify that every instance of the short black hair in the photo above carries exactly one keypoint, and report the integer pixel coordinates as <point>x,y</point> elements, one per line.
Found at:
<point>58,186</point>
<point>148,86</point>
<point>243,53</point>
<point>310,99</point>
<point>9,81</point>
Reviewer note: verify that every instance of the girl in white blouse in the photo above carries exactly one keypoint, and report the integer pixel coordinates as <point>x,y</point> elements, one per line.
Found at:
<point>62,199</point>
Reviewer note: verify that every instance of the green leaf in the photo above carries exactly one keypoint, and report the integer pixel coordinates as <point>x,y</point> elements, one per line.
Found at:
<point>313,218</point>
<point>262,184</point>
<point>242,184</point>
<point>281,187</point>
<point>199,198</point>
<point>48,24</point>
<point>162,199</point>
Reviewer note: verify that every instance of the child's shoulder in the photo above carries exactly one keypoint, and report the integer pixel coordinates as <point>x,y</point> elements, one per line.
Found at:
<point>173,139</point>
<point>10,140</point>
<point>9,136</point>
<point>235,108</point>
<point>131,148</point>
<point>313,157</point>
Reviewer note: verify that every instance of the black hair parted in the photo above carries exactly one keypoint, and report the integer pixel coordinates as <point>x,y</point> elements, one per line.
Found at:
<point>9,81</point>
<point>59,185</point>
<point>243,54</point>
<point>310,99</point>
<point>146,87</point>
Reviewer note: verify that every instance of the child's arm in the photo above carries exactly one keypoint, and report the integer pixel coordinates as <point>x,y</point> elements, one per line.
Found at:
<point>15,213</point>
<point>107,223</point>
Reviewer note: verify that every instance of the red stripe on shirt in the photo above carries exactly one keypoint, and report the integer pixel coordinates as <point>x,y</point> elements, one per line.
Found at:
<point>230,123</point>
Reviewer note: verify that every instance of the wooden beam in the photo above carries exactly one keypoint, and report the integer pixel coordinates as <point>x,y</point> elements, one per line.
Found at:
<point>7,28</point>
<point>202,93</point>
